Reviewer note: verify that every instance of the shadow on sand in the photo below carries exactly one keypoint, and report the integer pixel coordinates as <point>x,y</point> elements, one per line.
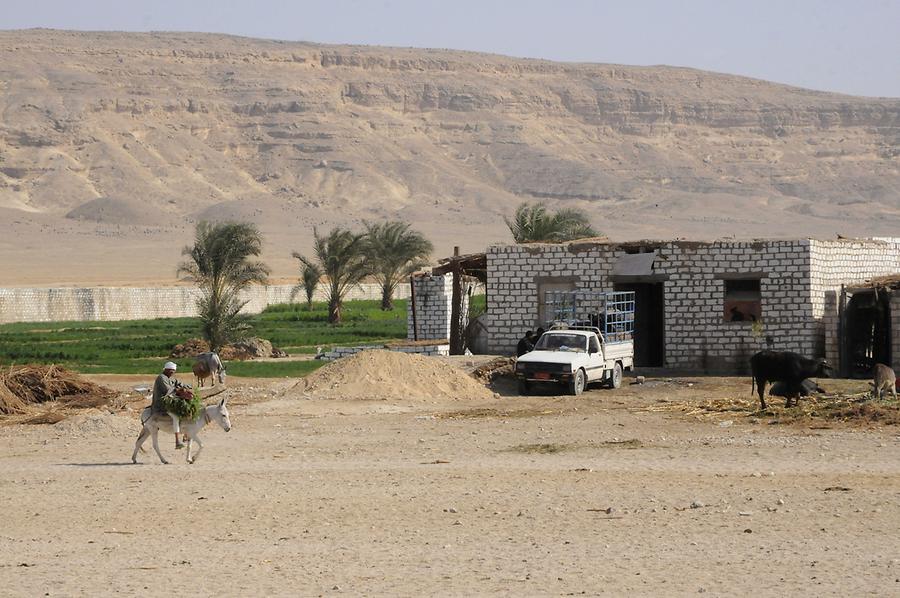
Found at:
<point>117,464</point>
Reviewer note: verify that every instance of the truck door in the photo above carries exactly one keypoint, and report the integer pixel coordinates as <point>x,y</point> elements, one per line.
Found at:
<point>596,360</point>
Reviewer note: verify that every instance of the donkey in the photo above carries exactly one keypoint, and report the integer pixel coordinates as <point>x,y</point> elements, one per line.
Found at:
<point>208,365</point>
<point>885,379</point>
<point>152,424</point>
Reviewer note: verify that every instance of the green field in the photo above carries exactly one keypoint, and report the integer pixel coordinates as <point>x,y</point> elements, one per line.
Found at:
<point>141,346</point>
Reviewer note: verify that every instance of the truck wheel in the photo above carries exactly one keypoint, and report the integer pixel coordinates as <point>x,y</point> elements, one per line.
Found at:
<point>576,385</point>
<point>616,380</point>
<point>524,387</point>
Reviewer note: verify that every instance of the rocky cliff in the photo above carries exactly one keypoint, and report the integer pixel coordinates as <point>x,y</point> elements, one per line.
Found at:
<point>130,138</point>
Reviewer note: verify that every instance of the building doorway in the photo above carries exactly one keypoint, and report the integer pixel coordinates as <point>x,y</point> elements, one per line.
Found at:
<point>867,332</point>
<point>649,322</point>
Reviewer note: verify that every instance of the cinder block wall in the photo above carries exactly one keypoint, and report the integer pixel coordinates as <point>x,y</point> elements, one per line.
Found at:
<point>698,337</point>
<point>895,330</point>
<point>796,274</point>
<point>434,304</point>
<point>513,272</point>
<point>846,262</point>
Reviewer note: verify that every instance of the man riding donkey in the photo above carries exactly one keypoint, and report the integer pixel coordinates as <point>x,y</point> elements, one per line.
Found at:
<point>173,398</point>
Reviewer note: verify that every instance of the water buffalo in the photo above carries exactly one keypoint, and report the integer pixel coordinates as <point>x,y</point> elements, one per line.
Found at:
<point>807,387</point>
<point>787,367</point>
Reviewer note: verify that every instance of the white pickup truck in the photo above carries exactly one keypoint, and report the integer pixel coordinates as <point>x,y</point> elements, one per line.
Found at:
<point>574,357</point>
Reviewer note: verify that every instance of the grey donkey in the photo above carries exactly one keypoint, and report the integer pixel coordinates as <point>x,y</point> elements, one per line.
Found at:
<point>885,379</point>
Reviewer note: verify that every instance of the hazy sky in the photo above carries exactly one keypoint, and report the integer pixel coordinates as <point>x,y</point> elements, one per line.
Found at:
<point>844,46</point>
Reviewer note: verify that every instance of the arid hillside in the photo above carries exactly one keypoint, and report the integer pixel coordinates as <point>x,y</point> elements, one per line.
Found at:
<point>112,145</point>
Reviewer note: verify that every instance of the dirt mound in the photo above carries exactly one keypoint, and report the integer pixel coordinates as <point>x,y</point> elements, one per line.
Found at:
<point>23,386</point>
<point>190,348</point>
<point>115,210</point>
<point>95,423</point>
<point>392,376</point>
<point>249,348</point>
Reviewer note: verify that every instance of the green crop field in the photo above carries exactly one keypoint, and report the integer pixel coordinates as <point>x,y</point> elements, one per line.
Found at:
<point>140,346</point>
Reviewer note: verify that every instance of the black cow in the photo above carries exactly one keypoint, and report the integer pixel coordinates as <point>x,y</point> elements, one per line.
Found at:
<point>783,366</point>
<point>807,387</point>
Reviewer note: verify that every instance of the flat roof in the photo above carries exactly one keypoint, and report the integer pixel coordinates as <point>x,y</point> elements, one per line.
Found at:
<point>693,243</point>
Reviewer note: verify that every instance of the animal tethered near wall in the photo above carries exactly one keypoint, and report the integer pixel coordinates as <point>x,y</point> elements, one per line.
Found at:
<point>152,424</point>
<point>208,365</point>
<point>787,367</point>
<point>884,379</point>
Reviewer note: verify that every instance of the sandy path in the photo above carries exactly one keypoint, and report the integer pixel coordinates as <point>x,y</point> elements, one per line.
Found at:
<point>313,497</point>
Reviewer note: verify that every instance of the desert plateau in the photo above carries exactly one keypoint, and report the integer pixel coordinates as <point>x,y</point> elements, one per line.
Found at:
<point>113,146</point>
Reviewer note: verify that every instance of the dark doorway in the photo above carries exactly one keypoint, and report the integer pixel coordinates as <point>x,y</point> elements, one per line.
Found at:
<point>867,332</point>
<point>649,323</point>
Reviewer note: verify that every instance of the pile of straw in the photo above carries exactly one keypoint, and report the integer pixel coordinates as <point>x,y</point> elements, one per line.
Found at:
<point>495,368</point>
<point>846,408</point>
<point>26,385</point>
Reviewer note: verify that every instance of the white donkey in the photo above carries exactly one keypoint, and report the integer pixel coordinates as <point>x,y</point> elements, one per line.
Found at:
<point>153,424</point>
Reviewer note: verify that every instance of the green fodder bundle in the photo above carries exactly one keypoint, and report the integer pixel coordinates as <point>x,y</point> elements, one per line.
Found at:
<point>22,386</point>
<point>187,409</point>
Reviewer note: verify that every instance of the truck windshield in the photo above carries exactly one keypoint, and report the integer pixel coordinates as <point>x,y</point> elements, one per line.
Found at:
<point>561,342</point>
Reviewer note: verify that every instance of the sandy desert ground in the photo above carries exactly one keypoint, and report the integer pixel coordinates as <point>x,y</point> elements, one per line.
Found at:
<point>500,495</point>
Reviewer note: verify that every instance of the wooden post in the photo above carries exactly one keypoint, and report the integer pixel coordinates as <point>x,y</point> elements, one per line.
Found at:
<point>412,298</point>
<point>843,365</point>
<point>456,344</point>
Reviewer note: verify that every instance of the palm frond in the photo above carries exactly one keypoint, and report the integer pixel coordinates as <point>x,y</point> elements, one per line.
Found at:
<point>532,223</point>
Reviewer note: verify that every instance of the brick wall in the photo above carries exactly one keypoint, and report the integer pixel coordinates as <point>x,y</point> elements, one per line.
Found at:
<point>794,278</point>
<point>434,300</point>
<point>845,262</point>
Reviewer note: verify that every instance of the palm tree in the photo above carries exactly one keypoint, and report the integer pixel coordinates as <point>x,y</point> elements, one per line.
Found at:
<point>310,275</point>
<point>341,256</point>
<point>394,252</point>
<point>533,223</point>
<point>220,264</point>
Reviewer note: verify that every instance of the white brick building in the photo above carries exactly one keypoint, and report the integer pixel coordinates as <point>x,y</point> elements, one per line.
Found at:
<point>705,306</point>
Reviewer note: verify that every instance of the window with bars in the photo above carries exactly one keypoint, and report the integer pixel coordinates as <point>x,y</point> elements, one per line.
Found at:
<point>743,300</point>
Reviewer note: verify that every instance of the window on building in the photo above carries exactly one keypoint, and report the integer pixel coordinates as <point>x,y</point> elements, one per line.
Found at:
<point>743,300</point>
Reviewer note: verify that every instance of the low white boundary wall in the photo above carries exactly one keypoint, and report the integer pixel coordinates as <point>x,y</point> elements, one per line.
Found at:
<point>429,350</point>
<point>144,303</point>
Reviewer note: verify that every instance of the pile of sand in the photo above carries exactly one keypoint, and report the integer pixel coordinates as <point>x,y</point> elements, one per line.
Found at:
<point>98,423</point>
<point>392,376</point>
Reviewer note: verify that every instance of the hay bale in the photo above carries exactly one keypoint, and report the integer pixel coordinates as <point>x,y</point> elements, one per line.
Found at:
<point>9,402</point>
